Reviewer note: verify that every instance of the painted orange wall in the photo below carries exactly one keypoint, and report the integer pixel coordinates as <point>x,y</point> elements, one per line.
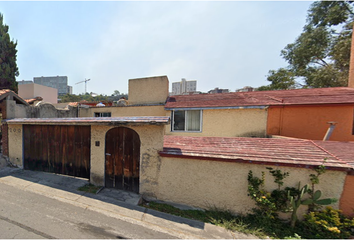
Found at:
<point>346,203</point>
<point>310,122</point>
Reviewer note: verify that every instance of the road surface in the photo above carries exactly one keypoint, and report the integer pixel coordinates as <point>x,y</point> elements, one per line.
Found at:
<point>24,214</point>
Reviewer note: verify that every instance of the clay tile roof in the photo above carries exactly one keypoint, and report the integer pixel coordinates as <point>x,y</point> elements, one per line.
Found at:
<point>32,100</point>
<point>5,93</point>
<point>342,150</point>
<point>263,98</point>
<point>288,152</point>
<point>73,104</point>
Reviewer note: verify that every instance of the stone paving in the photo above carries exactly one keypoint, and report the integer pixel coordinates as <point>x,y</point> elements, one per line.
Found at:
<point>127,197</point>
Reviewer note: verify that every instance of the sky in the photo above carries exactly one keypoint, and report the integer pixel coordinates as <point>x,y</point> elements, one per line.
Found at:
<point>224,44</point>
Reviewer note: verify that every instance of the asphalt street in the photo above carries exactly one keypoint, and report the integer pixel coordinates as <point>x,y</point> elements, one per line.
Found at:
<point>25,214</point>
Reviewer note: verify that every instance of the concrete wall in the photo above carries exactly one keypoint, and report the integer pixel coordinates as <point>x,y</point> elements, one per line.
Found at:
<point>15,144</point>
<point>347,199</point>
<point>205,184</point>
<point>148,90</point>
<point>29,91</point>
<point>124,111</point>
<point>310,122</point>
<point>229,123</point>
<point>45,110</point>
<point>151,138</point>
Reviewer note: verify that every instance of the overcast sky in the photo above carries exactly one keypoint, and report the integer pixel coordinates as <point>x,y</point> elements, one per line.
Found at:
<point>228,44</point>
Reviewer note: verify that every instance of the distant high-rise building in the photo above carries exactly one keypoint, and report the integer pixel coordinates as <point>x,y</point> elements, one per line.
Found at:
<point>58,82</point>
<point>184,87</point>
<point>70,89</point>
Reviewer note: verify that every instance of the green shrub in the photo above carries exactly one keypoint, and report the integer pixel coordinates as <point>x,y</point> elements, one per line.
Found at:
<point>328,223</point>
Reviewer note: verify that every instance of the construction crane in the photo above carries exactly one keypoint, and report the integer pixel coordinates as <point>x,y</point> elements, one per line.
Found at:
<point>86,80</point>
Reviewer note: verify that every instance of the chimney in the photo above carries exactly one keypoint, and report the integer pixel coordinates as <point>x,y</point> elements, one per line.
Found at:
<point>332,125</point>
<point>351,64</point>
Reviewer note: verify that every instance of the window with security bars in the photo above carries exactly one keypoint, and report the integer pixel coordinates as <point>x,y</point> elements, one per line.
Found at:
<point>102,114</point>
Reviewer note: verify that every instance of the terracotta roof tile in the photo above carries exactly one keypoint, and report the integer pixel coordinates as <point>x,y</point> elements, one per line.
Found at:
<point>263,98</point>
<point>342,150</point>
<point>295,152</point>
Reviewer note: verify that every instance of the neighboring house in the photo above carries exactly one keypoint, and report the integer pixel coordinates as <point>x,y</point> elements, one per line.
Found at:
<point>306,113</point>
<point>212,171</point>
<point>218,90</point>
<point>217,115</point>
<point>300,113</point>
<point>33,90</point>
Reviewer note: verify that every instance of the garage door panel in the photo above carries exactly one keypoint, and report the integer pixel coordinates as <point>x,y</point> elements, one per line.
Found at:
<point>58,149</point>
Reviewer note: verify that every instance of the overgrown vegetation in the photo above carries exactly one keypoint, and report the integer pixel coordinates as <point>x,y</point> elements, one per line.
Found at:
<point>264,222</point>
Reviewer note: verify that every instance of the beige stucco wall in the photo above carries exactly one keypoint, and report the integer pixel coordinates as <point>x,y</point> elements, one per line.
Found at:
<point>15,144</point>
<point>229,123</point>
<point>124,111</point>
<point>32,90</point>
<point>151,138</point>
<point>205,184</point>
<point>148,90</point>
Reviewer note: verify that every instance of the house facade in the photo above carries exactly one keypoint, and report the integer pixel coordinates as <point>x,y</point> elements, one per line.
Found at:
<point>112,152</point>
<point>189,149</point>
<point>300,113</point>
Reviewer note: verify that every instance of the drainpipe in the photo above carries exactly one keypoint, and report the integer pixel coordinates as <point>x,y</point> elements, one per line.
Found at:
<point>332,125</point>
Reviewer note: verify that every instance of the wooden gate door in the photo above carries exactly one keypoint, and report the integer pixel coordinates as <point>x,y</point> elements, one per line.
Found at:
<point>58,149</point>
<point>122,159</point>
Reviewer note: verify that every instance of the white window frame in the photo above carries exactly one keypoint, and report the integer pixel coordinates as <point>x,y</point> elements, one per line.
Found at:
<point>186,122</point>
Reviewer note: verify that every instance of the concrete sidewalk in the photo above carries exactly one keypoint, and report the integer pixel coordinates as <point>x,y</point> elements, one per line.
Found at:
<point>64,188</point>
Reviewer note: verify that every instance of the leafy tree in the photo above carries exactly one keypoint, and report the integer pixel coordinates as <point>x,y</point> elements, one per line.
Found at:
<point>320,55</point>
<point>8,66</point>
<point>280,79</point>
<point>81,97</point>
<point>116,93</point>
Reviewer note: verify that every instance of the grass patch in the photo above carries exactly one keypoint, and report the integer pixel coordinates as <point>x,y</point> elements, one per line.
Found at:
<point>220,218</point>
<point>255,224</point>
<point>90,188</point>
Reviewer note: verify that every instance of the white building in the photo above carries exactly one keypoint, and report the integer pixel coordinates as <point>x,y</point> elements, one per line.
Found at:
<point>184,87</point>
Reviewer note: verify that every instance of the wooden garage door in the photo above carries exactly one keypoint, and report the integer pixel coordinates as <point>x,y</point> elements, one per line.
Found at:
<point>58,149</point>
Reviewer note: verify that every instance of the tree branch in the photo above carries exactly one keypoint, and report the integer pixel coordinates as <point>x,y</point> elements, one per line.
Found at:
<point>322,62</point>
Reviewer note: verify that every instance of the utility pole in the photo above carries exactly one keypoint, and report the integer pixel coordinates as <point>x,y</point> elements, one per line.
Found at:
<point>86,80</point>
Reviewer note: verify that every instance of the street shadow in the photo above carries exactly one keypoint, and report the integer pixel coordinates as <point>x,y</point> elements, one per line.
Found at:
<point>71,184</point>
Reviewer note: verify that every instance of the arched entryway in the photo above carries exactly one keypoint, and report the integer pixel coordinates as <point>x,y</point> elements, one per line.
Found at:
<point>122,150</point>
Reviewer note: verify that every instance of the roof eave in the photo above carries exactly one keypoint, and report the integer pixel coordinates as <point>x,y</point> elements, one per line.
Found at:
<point>219,108</point>
<point>241,160</point>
